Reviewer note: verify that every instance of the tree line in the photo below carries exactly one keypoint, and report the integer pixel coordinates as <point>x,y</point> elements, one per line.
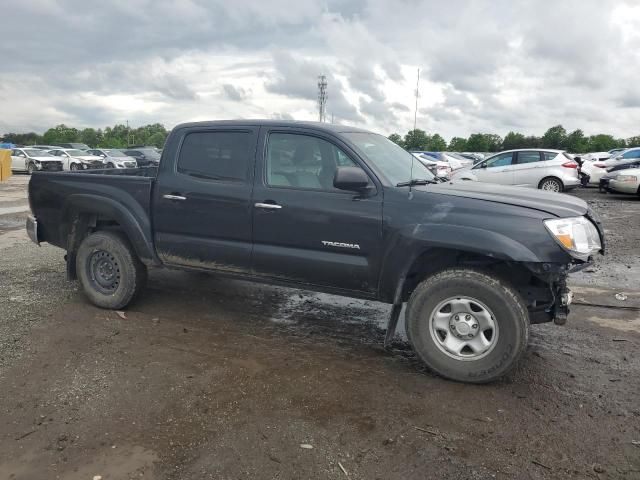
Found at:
<point>118,136</point>
<point>555,137</point>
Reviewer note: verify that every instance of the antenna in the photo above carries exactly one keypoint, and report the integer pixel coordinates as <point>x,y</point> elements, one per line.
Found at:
<point>415,115</point>
<point>322,98</point>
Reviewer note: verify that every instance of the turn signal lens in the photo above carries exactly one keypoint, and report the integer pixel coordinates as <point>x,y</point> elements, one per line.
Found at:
<point>577,234</point>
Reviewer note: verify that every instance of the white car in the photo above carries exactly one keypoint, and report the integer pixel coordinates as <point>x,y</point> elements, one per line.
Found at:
<point>545,169</point>
<point>626,181</point>
<point>629,155</point>
<point>114,158</point>
<point>596,169</point>
<point>438,168</point>
<point>74,159</point>
<point>31,160</point>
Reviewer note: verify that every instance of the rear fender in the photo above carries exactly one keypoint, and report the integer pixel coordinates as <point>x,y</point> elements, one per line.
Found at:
<point>81,208</point>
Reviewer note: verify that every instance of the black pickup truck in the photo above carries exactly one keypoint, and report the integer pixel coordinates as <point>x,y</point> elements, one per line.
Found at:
<point>335,209</point>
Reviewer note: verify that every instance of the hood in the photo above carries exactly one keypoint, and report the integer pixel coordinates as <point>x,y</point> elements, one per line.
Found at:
<point>557,204</point>
<point>46,159</point>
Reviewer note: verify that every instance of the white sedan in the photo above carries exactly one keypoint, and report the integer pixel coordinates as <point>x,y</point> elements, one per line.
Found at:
<point>626,181</point>
<point>74,159</point>
<point>31,159</point>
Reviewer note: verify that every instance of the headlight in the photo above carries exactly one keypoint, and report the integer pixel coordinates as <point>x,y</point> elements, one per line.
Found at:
<point>576,234</point>
<point>627,178</point>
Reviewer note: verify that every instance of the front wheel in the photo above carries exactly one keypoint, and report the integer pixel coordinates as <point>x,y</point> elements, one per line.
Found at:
<point>31,168</point>
<point>110,272</point>
<point>467,325</point>
<point>74,166</point>
<point>551,184</point>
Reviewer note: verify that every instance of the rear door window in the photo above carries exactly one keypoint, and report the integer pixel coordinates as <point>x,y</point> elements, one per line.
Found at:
<point>219,155</point>
<point>528,157</point>
<point>632,154</point>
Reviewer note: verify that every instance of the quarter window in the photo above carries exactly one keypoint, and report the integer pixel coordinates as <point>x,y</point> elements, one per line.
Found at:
<point>216,155</point>
<point>303,161</point>
<point>549,155</point>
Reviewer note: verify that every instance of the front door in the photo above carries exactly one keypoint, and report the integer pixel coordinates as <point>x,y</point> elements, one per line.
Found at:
<point>202,211</point>
<point>305,230</point>
<point>497,169</point>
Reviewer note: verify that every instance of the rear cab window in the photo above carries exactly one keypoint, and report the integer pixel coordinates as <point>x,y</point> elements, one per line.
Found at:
<point>217,155</point>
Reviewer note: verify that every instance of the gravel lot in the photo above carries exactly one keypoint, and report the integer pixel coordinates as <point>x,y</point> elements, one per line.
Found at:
<point>211,378</point>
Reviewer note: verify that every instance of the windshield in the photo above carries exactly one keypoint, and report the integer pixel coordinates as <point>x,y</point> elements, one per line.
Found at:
<point>34,152</point>
<point>76,153</point>
<point>388,158</point>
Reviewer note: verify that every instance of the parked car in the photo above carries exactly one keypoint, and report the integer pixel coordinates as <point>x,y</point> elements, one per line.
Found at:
<point>436,167</point>
<point>546,169</point>
<point>73,159</point>
<point>454,162</point>
<point>114,158</point>
<point>31,159</point>
<point>603,186</point>
<point>626,156</point>
<point>626,181</point>
<point>77,146</point>
<point>329,208</point>
<point>44,147</point>
<point>146,157</point>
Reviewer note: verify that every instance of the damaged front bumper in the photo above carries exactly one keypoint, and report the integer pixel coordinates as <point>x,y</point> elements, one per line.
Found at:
<point>550,299</point>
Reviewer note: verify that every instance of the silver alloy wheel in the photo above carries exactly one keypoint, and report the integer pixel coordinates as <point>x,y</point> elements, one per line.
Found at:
<point>550,185</point>
<point>463,328</point>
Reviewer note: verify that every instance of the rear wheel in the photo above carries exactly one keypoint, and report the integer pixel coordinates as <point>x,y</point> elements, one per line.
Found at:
<point>551,184</point>
<point>110,272</point>
<point>467,325</point>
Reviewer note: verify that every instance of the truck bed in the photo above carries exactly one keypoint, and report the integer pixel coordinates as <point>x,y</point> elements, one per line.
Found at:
<point>57,197</point>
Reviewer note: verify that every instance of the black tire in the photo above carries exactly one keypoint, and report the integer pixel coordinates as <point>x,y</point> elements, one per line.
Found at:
<point>558,186</point>
<point>31,168</point>
<point>110,272</point>
<point>508,312</point>
<point>74,166</point>
<point>110,165</point>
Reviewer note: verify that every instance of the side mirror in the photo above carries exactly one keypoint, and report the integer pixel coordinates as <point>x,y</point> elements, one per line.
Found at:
<point>350,178</point>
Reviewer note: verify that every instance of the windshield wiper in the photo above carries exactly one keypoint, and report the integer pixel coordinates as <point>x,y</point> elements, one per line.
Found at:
<point>416,181</point>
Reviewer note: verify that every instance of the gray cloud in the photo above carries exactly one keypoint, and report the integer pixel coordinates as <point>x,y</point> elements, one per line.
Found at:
<point>486,66</point>
<point>237,94</point>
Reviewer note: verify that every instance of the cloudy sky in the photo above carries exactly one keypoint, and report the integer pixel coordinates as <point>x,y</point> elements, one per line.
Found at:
<point>488,66</point>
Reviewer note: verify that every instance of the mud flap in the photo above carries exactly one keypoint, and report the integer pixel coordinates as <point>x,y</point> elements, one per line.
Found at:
<point>70,258</point>
<point>391,326</point>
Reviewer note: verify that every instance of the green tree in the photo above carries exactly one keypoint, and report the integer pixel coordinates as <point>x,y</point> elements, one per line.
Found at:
<point>576,142</point>
<point>61,134</point>
<point>601,143</point>
<point>416,140</point>
<point>91,137</point>
<point>157,139</point>
<point>555,137</point>
<point>633,141</point>
<point>458,144</point>
<point>477,142</point>
<point>30,138</point>
<point>514,140</point>
<point>397,139</point>
<point>437,143</point>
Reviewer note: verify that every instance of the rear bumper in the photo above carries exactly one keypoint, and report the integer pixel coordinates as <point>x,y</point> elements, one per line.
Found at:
<point>32,229</point>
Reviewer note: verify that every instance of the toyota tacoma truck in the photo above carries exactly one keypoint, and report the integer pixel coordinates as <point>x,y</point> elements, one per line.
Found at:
<point>334,209</point>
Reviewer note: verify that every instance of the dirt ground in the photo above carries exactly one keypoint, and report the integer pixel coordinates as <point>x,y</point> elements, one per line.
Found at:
<point>211,378</point>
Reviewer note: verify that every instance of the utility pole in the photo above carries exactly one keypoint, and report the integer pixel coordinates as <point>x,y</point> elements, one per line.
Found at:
<point>322,98</point>
<point>415,115</point>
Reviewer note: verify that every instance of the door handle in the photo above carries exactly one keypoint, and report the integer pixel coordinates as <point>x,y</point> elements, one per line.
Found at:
<point>268,206</point>
<point>174,197</point>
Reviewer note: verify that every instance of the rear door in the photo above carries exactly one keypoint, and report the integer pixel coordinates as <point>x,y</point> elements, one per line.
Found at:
<point>497,169</point>
<point>528,168</point>
<point>202,211</point>
<point>304,229</point>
